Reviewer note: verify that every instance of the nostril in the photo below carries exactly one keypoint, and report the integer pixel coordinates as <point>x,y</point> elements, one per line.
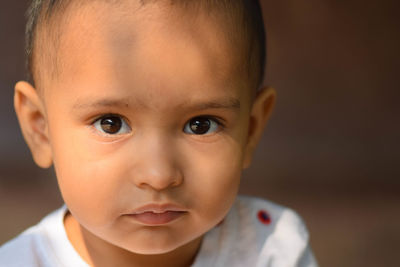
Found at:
<point>176,182</point>
<point>157,180</point>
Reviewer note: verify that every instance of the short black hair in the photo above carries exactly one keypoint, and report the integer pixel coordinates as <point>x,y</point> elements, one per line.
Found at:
<point>245,17</point>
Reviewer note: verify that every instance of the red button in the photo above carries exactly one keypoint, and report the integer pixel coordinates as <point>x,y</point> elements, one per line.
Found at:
<point>263,216</point>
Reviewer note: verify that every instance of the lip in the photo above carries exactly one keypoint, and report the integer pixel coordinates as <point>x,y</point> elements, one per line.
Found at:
<point>157,214</point>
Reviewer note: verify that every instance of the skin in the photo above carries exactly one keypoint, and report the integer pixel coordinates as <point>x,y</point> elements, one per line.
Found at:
<point>156,71</point>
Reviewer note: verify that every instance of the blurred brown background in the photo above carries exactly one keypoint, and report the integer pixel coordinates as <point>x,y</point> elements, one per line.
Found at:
<point>331,150</point>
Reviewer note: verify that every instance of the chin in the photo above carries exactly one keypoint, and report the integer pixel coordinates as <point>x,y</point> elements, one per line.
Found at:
<point>153,251</point>
<point>154,248</point>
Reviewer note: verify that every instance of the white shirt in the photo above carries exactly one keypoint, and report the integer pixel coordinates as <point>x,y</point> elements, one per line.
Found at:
<point>255,232</point>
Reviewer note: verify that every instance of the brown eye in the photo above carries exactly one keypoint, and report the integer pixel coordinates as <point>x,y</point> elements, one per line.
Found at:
<point>111,124</point>
<point>200,126</point>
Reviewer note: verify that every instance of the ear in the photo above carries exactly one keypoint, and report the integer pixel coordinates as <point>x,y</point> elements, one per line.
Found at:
<point>32,120</point>
<point>260,113</point>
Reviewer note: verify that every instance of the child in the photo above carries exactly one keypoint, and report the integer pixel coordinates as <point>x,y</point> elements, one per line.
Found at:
<point>149,110</point>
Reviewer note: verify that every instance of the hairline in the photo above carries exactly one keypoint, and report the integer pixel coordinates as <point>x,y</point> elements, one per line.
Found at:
<point>44,25</point>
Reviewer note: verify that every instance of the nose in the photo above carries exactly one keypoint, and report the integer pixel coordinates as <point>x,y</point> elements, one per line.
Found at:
<point>156,164</point>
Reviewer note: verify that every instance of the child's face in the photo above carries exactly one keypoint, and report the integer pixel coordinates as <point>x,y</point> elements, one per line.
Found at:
<point>147,110</point>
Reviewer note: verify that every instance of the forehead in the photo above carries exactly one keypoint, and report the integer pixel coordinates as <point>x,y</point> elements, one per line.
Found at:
<point>149,48</point>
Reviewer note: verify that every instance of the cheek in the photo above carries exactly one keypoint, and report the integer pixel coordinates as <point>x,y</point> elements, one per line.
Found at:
<point>214,177</point>
<point>88,178</point>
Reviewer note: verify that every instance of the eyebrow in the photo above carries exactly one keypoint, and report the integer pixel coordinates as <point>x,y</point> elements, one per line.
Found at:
<point>101,103</point>
<point>225,103</point>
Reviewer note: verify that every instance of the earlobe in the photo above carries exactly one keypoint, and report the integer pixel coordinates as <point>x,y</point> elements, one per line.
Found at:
<point>31,116</point>
<point>260,113</point>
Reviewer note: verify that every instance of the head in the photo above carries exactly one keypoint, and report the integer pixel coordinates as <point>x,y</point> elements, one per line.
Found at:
<point>141,103</point>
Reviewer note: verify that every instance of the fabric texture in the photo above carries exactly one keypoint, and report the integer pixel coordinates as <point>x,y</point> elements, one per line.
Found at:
<point>255,232</point>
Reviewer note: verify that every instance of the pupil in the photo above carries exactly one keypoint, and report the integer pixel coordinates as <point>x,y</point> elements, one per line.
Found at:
<point>111,125</point>
<point>200,125</point>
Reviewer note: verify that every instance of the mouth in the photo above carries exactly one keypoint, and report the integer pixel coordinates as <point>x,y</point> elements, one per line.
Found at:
<point>155,214</point>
